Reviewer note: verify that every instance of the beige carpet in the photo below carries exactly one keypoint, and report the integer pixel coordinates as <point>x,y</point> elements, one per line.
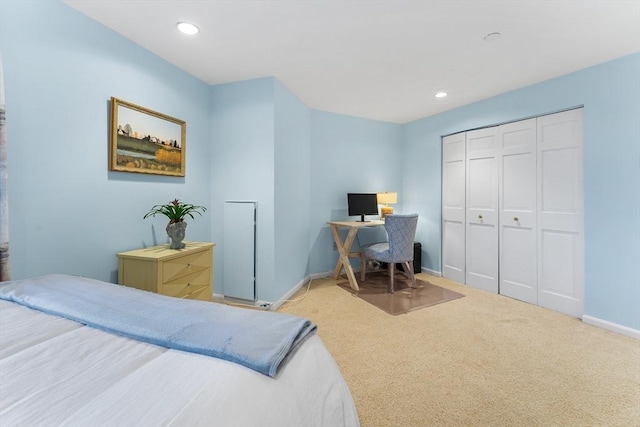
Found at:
<point>375,290</point>
<point>481,360</point>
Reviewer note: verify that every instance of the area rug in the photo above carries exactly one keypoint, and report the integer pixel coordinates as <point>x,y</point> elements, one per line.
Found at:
<point>374,290</point>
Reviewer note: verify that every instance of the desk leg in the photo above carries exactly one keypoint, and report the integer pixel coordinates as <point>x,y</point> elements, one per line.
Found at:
<point>343,259</point>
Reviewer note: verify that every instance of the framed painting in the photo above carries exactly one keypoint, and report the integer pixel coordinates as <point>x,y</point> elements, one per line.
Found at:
<point>145,141</point>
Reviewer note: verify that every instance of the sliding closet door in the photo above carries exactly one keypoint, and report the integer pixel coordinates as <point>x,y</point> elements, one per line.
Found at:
<point>522,210</point>
<point>518,239</point>
<point>482,209</point>
<point>560,215</point>
<point>453,207</point>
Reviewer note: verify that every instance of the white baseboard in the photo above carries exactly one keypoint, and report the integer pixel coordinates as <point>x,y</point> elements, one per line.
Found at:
<point>314,276</point>
<point>296,288</point>
<point>288,295</point>
<point>610,326</point>
<point>268,305</point>
<point>265,305</point>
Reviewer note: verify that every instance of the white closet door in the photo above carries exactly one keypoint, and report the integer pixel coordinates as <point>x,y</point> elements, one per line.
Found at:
<point>453,207</point>
<point>482,209</point>
<point>239,250</point>
<point>560,216</point>
<point>518,239</point>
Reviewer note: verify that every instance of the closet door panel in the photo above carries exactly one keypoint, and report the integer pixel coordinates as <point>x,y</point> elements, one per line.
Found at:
<point>454,183</point>
<point>561,218</point>
<point>517,275</point>
<point>482,209</point>
<point>453,207</point>
<point>518,244</point>
<point>482,199</point>
<point>453,254</point>
<point>482,256</point>
<point>558,262</point>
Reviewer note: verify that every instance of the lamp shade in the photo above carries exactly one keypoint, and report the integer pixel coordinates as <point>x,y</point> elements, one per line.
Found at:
<point>387,198</point>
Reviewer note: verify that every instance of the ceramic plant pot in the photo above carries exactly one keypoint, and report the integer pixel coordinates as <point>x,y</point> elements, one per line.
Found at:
<point>176,232</point>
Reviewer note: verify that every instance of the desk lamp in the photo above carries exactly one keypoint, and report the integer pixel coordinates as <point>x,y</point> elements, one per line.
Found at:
<point>387,199</point>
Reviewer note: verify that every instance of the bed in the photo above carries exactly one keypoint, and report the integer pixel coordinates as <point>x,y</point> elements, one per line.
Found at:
<point>64,360</point>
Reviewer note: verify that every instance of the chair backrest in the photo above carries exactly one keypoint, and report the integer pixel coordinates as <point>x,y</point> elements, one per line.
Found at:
<point>401,231</point>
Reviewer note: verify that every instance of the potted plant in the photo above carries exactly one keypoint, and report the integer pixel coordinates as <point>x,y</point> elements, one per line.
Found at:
<point>176,211</point>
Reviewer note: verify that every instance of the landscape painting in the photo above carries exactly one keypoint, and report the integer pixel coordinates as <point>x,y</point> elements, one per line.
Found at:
<point>145,141</point>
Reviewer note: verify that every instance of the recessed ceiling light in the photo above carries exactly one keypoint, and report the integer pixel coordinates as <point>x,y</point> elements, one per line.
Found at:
<point>441,94</point>
<point>188,28</point>
<point>492,36</point>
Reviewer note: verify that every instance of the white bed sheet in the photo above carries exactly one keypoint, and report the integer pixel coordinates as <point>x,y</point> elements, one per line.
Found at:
<point>54,371</point>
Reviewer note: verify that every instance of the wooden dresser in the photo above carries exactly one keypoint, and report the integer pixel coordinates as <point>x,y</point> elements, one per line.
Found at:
<point>180,273</point>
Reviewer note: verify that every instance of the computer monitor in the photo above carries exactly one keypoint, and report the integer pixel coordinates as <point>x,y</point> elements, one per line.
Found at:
<point>361,204</point>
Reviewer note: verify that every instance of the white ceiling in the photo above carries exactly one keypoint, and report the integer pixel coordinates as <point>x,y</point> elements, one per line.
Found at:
<point>379,59</point>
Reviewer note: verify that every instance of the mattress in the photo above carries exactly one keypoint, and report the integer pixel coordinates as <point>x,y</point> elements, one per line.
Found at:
<point>55,371</point>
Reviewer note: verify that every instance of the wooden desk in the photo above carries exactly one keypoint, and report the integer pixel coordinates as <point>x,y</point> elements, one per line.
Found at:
<point>344,248</point>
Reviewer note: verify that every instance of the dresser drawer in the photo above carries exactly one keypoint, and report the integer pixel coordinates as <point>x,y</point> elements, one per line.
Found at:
<point>183,266</point>
<point>202,294</point>
<point>185,285</point>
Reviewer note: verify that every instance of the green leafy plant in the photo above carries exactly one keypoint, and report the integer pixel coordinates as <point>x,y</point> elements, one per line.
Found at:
<point>176,211</point>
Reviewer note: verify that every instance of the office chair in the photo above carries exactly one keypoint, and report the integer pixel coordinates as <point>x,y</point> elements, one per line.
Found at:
<point>401,232</point>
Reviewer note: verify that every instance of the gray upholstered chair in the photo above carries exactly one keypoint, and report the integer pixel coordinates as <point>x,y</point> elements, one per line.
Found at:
<point>401,232</point>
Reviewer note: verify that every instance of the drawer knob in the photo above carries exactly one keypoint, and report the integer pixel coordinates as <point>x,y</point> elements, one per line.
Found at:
<point>515,218</point>
<point>479,216</point>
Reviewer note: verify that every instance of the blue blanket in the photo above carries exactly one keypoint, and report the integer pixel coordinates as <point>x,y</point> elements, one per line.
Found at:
<point>259,340</point>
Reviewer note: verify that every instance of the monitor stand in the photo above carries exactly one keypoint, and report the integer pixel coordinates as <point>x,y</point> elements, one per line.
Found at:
<point>362,219</point>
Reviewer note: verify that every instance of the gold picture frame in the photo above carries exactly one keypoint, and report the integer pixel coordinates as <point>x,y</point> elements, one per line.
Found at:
<point>145,141</point>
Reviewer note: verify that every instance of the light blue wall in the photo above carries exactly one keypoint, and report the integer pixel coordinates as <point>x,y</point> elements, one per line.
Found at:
<point>299,165</point>
<point>610,94</point>
<point>292,191</point>
<point>349,154</point>
<point>242,167</point>
<point>68,213</point>
<point>255,140</point>
<point>261,152</point>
